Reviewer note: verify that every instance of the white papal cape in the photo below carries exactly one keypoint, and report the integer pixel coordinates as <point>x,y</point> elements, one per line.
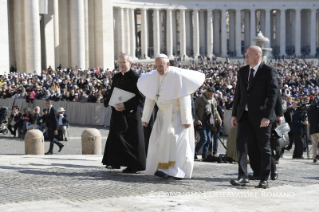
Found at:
<point>171,146</point>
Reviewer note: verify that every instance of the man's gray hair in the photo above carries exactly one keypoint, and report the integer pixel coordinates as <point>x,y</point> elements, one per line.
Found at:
<point>164,56</point>
<point>129,57</point>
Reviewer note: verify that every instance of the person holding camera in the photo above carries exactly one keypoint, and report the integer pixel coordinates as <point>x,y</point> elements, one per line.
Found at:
<point>298,130</point>
<point>15,121</point>
<point>205,113</point>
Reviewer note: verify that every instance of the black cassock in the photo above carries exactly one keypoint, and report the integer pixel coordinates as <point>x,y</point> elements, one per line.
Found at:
<point>125,144</point>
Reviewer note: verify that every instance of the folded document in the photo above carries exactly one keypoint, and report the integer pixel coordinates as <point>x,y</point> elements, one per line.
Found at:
<point>120,96</point>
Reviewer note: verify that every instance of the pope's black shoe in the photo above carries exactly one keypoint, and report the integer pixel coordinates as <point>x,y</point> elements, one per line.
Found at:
<point>253,177</point>
<point>161,175</point>
<point>263,184</point>
<point>240,182</point>
<point>274,175</point>
<point>48,153</point>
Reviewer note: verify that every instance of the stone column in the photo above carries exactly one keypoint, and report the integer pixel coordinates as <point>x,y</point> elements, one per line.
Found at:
<point>223,34</point>
<point>86,32</point>
<point>231,30</point>
<point>156,32</point>
<point>210,38</point>
<point>77,34</point>
<point>196,34</point>
<point>189,32</point>
<point>104,34</point>
<point>238,33</point>
<point>19,36</point>
<point>144,34</point>
<point>262,21</point>
<point>169,33</point>
<point>174,32</point>
<point>182,34</point>
<point>277,44</point>
<point>56,32</point>
<point>127,31</point>
<point>49,41</point>
<point>313,44</point>
<point>121,31</point>
<point>217,32</point>
<point>202,32</point>
<point>91,36</point>
<point>253,33</point>
<point>133,33</point>
<point>64,26</point>
<point>4,39</point>
<point>267,34</point>
<point>298,33</point>
<point>247,30</point>
<point>32,36</point>
<point>283,32</point>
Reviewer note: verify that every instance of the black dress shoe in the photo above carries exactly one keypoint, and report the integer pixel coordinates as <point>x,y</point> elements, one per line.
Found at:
<point>240,182</point>
<point>263,184</point>
<point>129,170</point>
<point>274,175</point>
<point>301,157</point>
<point>112,167</point>
<point>253,177</point>
<point>60,147</point>
<point>162,175</point>
<point>195,158</point>
<point>177,178</point>
<point>48,153</point>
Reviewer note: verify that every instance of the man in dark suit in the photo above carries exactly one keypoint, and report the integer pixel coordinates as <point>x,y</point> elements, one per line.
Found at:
<point>52,126</point>
<point>253,113</point>
<point>313,118</point>
<point>254,154</point>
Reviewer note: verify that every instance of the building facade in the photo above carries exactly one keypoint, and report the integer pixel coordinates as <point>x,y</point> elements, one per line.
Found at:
<point>187,28</point>
<point>36,34</point>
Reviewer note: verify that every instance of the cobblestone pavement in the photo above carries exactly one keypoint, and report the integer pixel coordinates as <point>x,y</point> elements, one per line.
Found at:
<point>73,177</point>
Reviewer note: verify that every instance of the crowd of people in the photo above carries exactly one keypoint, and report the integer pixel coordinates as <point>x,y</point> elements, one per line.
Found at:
<point>298,79</point>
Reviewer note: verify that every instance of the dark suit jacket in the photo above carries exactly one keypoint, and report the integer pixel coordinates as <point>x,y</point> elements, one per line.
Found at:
<point>313,118</point>
<point>261,98</point>
<point>52,119</point>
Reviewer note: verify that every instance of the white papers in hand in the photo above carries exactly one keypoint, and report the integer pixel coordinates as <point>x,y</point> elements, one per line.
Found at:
<point>120,96</point>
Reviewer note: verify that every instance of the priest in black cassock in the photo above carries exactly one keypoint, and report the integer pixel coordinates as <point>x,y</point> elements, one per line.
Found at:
<point>125,144</point>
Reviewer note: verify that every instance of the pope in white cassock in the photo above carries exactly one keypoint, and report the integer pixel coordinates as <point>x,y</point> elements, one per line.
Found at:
<point>171,145</point>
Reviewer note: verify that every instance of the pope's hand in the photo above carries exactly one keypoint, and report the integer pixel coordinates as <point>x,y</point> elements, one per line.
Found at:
<point>119,107</point>
<point>186,125</point>
<point>145,124</point>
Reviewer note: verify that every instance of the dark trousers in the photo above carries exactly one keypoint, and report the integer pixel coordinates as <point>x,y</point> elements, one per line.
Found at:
<point>53,140</point>
<point>15,127</point>
<point>299,144</point>
<point>255,141</point>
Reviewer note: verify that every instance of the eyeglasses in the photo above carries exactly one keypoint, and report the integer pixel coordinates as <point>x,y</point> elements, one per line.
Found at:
<point>248,55</point>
